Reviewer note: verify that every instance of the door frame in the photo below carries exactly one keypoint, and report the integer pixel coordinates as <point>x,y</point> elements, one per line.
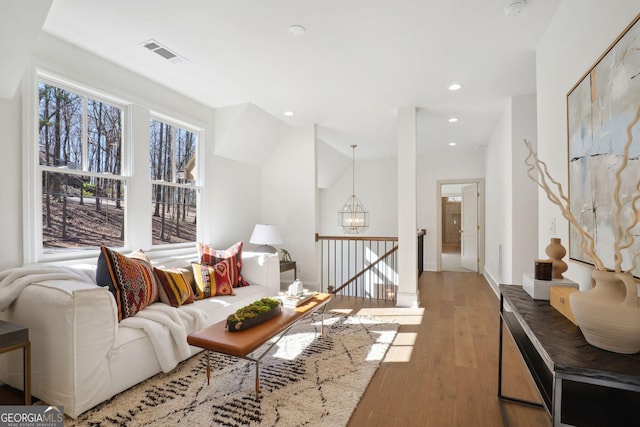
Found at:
<point>481,210</point>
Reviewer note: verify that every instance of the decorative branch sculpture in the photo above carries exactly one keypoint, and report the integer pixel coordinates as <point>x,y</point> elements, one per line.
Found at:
<point>535,164</point>
<point>626,234</point>
<point>624,239</point>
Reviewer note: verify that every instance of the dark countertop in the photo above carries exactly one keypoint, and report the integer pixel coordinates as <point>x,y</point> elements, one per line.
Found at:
<point>562,345</point>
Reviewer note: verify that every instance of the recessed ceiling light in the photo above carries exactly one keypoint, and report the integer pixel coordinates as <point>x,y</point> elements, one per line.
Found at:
<point>452,144</point>
<point>297,30</point>
<point>455,86</point>
<point>453,119</point>
<point>514,7</point>
<point>288,113</point>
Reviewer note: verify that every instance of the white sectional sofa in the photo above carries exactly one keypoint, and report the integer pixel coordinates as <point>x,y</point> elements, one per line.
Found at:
<point>81,355</point>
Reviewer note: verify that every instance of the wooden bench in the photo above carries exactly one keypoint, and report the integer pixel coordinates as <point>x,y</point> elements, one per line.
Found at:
<point>241,344</point>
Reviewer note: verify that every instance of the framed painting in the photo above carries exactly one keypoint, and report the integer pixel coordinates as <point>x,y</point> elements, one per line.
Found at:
<point>600,107</point>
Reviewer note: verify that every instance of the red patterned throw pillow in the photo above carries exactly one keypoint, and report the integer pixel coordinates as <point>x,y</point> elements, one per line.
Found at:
<point>130,278</point>
<point>214,280</point>
<point>212,256</point>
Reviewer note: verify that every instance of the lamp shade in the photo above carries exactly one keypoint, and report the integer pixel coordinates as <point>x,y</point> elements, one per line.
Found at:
<point>265,235</point>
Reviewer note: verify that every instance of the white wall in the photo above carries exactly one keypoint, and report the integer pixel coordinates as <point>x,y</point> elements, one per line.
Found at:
<point>440,166</point>
<point>234,202</point>
<point>579,33</point>
<point>524,202</point>
<point>289,197</point>
<point>376,187</point>
<point>511,197</point>
<point>331,164</point>
<point>11,176</point>
<point>246,133</point>
<point>407,144</point>
<point>498,203</point>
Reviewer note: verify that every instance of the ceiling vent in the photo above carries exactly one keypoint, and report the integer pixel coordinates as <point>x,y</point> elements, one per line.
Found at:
<point>163,51</point>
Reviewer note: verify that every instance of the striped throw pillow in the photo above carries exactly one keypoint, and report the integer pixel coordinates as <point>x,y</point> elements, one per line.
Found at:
<point>175,287</point>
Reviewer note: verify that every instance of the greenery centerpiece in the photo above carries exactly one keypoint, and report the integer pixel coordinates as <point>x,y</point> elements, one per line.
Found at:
<point>253,314</point>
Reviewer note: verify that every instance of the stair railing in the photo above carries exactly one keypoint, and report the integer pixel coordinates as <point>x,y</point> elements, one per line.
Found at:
<point>360,266</point>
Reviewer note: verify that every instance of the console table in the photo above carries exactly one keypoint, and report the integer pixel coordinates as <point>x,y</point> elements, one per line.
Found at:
<point>289,265</point>
<point>579,384</point>
<point>15,337</point>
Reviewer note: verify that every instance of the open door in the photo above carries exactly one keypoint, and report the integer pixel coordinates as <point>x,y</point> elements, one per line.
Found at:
<point>469,229</point>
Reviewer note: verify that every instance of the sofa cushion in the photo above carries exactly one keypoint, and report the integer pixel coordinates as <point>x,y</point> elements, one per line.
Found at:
<point>211,256</point>
<point>174,286</point>
<point>214,280</point>
<point>130,278</point>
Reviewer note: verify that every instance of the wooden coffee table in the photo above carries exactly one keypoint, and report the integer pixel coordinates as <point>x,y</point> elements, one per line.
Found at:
<point>242,344</point>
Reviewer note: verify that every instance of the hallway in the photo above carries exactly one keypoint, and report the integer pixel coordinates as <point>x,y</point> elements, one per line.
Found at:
<point>451,261</point>
<point>443,368</point>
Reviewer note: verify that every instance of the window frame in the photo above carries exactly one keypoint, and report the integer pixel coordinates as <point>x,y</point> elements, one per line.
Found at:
<point>196,185</point>
<point>33,250</point>
<point>134,169</point>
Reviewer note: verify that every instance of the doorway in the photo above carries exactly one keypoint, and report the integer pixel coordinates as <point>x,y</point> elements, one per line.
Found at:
<point>460,230</point>
<point>451,210</point>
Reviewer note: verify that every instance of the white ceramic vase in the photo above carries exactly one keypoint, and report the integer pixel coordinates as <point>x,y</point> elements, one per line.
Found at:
<point>608,314</point>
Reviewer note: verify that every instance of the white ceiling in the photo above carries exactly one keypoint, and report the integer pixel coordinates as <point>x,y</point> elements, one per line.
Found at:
<point>359,61</point>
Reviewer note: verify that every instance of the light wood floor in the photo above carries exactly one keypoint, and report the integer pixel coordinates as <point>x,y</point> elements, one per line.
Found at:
<point>442,370</point>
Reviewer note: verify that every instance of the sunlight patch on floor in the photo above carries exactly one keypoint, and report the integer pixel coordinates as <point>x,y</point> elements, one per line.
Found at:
<point>405,339</point>
<point>401,348</point>
<point>398,355</point>
<point>400,315</point>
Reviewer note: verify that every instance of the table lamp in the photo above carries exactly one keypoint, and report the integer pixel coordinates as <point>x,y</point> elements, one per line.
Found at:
<point>265,235</point>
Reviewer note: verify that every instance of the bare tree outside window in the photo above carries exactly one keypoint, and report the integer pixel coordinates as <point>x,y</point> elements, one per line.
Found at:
<point>80,146</point>
<point>172,169</point>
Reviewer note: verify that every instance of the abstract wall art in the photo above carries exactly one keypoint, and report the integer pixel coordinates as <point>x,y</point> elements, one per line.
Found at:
<point>600,107</point>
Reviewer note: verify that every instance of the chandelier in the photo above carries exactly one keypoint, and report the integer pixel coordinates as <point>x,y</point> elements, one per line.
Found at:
<point>353,218</point>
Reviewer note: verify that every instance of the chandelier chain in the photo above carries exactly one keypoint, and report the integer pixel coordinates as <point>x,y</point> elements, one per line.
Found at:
<point>353,169</point>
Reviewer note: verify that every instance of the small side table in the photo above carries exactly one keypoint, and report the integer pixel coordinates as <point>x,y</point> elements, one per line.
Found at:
<point>289,265</point>
<point>14,337</point>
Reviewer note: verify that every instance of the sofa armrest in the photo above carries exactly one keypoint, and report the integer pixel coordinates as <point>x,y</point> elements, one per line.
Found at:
<point>72,328</point>
<point>262,269</point>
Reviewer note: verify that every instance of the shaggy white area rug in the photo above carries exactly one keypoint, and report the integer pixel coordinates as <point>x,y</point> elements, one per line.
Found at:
<point>305,380</point>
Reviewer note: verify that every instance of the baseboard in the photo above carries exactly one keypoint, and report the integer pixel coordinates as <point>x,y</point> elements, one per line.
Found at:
<point>407,299</point>
<point>430,267</point>
<point>495,286</point>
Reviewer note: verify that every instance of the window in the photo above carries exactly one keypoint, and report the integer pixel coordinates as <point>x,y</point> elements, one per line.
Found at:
<point>173,174</point>
<point>80,146</point>
<point>80,189</point>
